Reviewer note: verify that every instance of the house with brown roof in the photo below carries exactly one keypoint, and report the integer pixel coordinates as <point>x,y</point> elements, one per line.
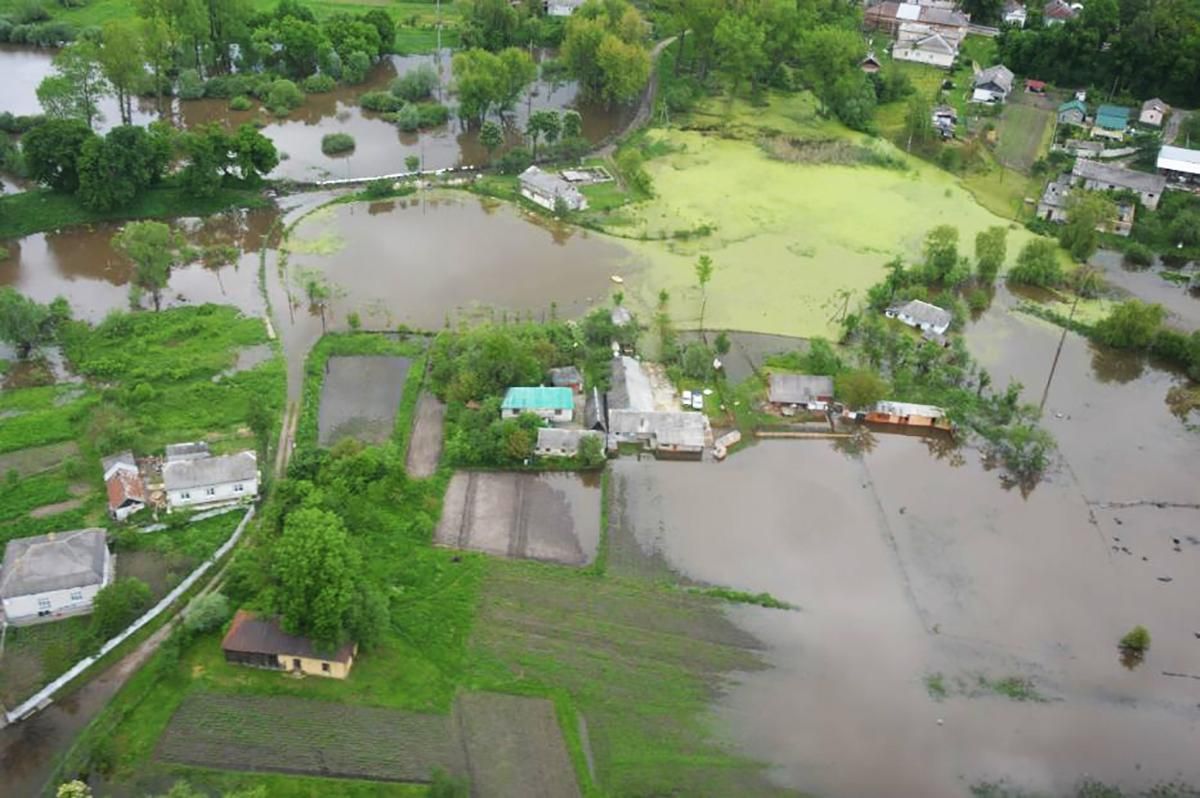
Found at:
<point>888,16</point>
<point>123,481</point>
<point>1056,12</point>
<point>260,642</point>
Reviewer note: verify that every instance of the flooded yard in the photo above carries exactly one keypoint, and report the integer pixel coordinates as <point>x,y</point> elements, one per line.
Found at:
<point>359,398</point>
<point>549,517</point>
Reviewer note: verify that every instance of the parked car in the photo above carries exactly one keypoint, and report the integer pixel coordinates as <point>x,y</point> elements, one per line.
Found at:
<point>697,401</point>
<point>687,398</point>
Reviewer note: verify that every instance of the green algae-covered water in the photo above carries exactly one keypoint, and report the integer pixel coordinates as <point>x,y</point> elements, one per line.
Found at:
<point>788,238</point>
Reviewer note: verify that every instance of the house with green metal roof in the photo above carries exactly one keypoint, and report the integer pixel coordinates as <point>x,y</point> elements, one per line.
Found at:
<point>1111,122</point>
<point>1072,112</point>
<point>556,405</point>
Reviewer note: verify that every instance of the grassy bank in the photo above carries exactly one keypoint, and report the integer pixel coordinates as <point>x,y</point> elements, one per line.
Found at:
<point>42,210</point>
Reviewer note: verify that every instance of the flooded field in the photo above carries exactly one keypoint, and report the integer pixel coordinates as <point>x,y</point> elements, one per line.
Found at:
<point>408,262</point>
<point>381,147</point>
<point>359,398</point>
<point>1149,285</point>
<point>81,265</point>
<point>549,517</point>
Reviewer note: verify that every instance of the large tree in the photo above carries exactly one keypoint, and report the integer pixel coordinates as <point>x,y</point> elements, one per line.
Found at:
<point>115,169</point>
<point>991,249</point>
<point>122,62</point>
<point>1131,324</point>
<point>1037,264</point>
<point>604,49</point>
<point>316,568</point>
<point>76,86</point>
<point>154,249</point>
<point>1088,212</point>
<point>740,41</point>
<point>27,324</point>
<point>52,151</point>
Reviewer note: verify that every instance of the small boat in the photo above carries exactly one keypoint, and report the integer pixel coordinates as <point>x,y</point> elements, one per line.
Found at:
<point>618,279</point>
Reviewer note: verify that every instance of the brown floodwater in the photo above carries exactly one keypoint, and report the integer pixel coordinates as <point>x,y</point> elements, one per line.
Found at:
<point>81,265</point>
<point>381,148</point>
<point>903,566</point>
<point>431,259</point>
<point>1149,285</point>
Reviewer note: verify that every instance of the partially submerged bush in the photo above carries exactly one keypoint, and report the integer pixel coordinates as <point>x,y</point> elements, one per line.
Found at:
<point>319,84</point>
<point>1136,641</point>
<point>337,143</point>
<point>191,85</point>
<point>283,96</point>
<point>415,84</point>
<point>380,101</point>
<point>241,103</point>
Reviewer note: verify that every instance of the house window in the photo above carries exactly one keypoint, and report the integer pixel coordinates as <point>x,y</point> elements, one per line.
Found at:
<point>43,605</point>
<point>76,595</point>
<point>210,491</point>
<point>185,495</point>
<point>238,488</point>
<point>325,667</point>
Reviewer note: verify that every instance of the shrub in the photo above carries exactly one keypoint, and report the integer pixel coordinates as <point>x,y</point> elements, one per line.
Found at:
<point>283,96</point>
<point>240,103</point>
<point>356,67</point>
<point>337,143</point>
<point>1138,254</point>
<point>978,300</point>
<point>117,605</point>
<point>415,84</point>
<point>190,86</point>
<point>408,118</point>
<point>380,101</point>
<point>1137,640</point>
<point>378,189</point>
<point>319,84</point>
<point>355,322</point>
<point>433,114</point>
<point>514,161</point>
<point>209,612</point>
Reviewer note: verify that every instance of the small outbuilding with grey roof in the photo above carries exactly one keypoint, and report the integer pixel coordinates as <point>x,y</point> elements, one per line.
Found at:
<point>53,576</point>
<point>800,390</point>
<point>1097,176</point>
<point>566,377</point>
<point>209,481</point>
<point>546,190</point>
<point>671,432</point>
<point>555,442</point>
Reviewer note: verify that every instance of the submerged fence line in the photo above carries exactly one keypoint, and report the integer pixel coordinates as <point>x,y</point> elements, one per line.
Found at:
<point>42,698</point>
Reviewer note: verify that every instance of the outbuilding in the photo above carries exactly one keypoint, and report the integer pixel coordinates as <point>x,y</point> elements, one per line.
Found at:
<point>1096,176</point>
<point>992,85</point>
<point>546,190</point>
<point>54,576</point>
<point>566,377</point>
<point>555,442</point>
<point>921,315</point>
<point>262,643</point>
<point>671,432</point>
<point>123,482</point>
<point>1072,112</point>
<point>809,391</point>
<point>1111,122</point>
<point>1179,164</point>
<point>1153,112</point>
<point>556,405</point>
<point>211,480</point>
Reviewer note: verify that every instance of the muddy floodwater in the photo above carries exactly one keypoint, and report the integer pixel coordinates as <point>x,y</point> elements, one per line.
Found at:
<point>381,148</point>
<point>907,568</point>
<point>359,398</point>
<point>1149,285</point>
<point>426,260</point>
<point>80,264</point>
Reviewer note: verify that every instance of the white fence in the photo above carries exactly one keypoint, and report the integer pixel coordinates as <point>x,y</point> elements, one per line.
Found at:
<point>42,698</point>
<point>351,181</point>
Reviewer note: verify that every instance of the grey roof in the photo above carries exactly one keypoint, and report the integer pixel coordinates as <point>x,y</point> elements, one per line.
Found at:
<point>1119,176</point>
<point>120,458</point>
<point>57,561</point>
<point>1154,104</point>
<point>630,386</point>
<point>546,184</point>
<point>796,389</point>
<point>594,416</point>
<point>1055,195</point>
<point>620,316</point>
<point>206,471</point>
<point>924,313</point>
<point>559,438</point>
<point>670,428</point>
<point>999,75</point>
<point>943,16</point>
<point>1179,159</point>
<point>186,451</point>
<point>565,376</point>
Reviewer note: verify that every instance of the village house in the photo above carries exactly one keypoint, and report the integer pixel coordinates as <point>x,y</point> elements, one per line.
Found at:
<point>556,405</point>
<point>629,387</point>
<point>1056,12</point>
<point>906,414</point>
<point>1111,122</point>
<point>567,377</point>
<point>123,482</point>
<point>924,44</point>
<point>1053,207</point>
<point>1015,14</point>
<point>561,8</point>
<point>1096,176</point>
<point>921,315</point>
<point>1179,165</point>
<point>800,391</point>
<point>261,643</point>
<point>54,576</point>
<point>870,64</point>
<point>889,15</point>
<point>992,85</point>
<point>555,442</point>
<point>209,481</point>
<point>1153,112</point>
<point>1072,112</point>
<point>545,189</point>
<point>670,432</point>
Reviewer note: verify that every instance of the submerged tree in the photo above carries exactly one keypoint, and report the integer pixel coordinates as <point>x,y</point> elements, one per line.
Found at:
<point>704,272</point>
<point>26,324</point>
<point>154,249</point>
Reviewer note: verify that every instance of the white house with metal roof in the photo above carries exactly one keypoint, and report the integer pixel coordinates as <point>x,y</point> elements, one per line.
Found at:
<point>556,405</point>
<point>211,480</point>
<point>924,44</point>
<point>922,315</point>
<point>53,576</point>
<point>545,189</point>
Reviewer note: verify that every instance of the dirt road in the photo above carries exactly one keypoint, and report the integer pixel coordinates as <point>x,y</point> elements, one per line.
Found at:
<point>425,445</point>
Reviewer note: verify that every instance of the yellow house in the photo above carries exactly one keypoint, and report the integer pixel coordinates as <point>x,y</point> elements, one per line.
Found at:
<point>262,643</point>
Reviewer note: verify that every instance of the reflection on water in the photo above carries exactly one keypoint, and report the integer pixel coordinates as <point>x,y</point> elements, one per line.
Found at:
<point>81,265</point>
<point>1149,285</point>
<point>381,148</point>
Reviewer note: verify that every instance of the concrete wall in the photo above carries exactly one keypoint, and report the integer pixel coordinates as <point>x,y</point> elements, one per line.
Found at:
<point>943,60</point>
<point>225,492</point>
<point>553,416</point>
<point>537,199</point>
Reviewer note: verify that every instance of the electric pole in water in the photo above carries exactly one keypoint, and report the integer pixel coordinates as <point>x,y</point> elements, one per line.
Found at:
<point>1087,277</point>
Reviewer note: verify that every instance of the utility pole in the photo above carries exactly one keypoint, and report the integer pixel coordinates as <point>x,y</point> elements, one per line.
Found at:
<point>1063,338</point>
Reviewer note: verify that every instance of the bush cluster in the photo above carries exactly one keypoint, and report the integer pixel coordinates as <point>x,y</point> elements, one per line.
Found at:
<point>337,143</point>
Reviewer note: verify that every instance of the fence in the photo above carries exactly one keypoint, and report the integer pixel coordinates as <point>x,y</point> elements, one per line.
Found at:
<point>42,698</point>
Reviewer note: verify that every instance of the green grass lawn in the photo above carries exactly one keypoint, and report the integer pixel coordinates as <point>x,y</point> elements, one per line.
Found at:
<point>42,415</point>
<point>41,210</point>
<point>1023,135</point>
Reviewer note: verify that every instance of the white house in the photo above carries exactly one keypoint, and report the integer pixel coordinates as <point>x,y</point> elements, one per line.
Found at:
<point>207,481</point>
<point>992,85</point>
<point>123,482</point>
<point>52,576</point>
<point>556,405</point>
<point>925,45</point>
<point>1015,14</point>
<point>561,8</point>
<point>922,315</point>
<point>1153,112</point>
<point>545,189</point>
